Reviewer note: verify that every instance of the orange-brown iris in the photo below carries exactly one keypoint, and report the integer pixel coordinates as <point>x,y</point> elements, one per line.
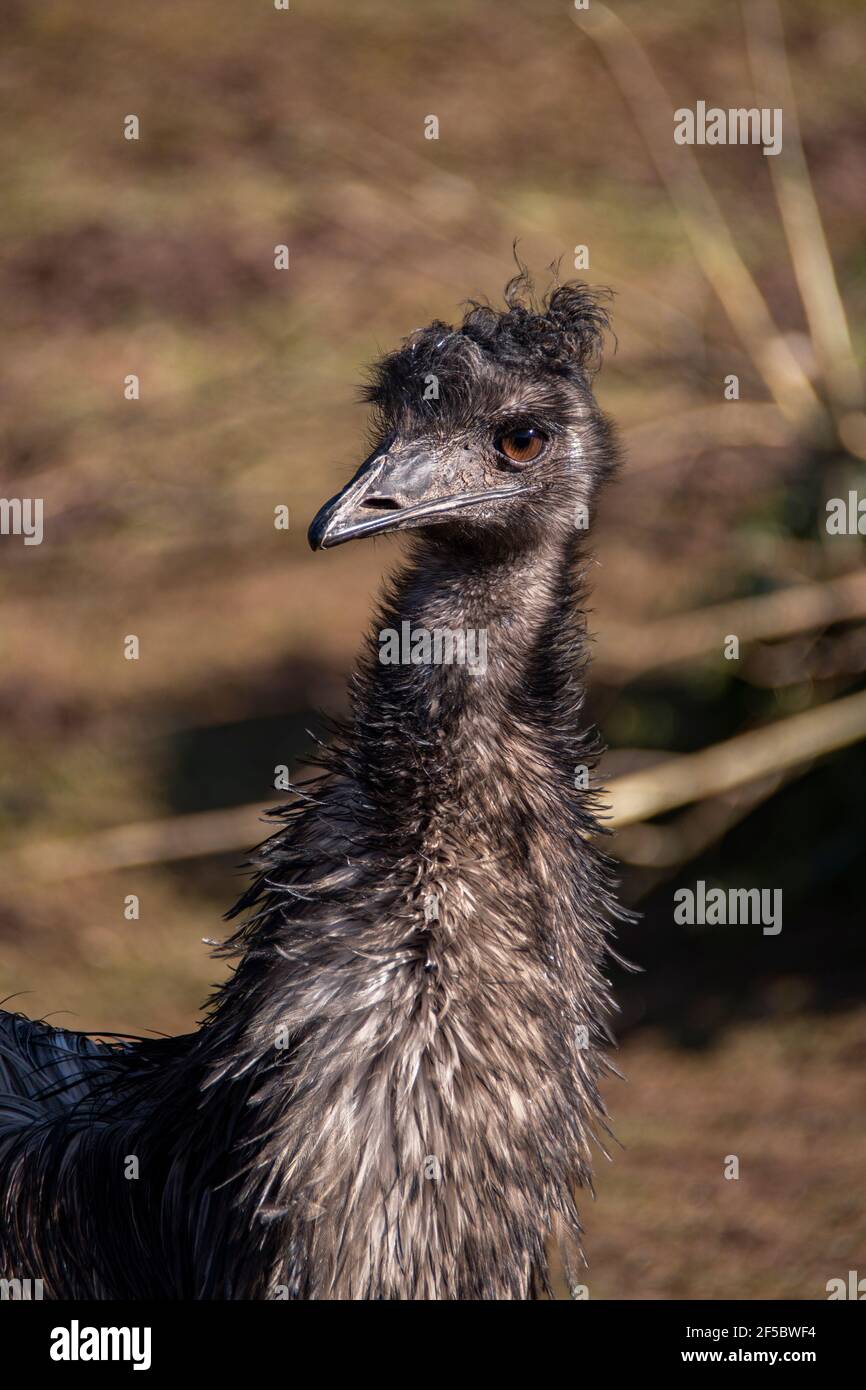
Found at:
<point>521,446</point>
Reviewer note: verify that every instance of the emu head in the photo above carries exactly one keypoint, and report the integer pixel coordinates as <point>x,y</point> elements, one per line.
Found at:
<point>487,435</point>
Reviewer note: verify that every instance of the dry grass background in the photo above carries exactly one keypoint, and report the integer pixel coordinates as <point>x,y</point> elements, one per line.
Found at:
<point>156,257</point>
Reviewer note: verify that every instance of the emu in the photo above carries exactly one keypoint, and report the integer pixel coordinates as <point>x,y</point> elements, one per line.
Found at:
<point>395,1094</point>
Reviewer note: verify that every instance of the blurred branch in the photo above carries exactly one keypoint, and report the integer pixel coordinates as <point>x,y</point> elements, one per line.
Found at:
<point>801,219</point>
<point>738,761</point>
<point>630,650</point>
<point>702,218</point>
<point>692,833</point>
<point>145,842</point>
<point>714,772</point>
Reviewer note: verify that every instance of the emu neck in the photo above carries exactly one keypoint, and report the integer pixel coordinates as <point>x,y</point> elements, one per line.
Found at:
<point>420,935</point>
<point>479,639</point>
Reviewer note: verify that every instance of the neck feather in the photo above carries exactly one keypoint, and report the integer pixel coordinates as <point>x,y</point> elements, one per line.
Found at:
<point>429,934</point>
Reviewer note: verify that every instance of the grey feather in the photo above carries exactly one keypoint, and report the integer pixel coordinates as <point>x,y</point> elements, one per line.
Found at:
<point>381,1103</point>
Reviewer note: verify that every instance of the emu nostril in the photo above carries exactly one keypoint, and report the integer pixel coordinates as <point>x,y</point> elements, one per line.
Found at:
<point>382,504</point>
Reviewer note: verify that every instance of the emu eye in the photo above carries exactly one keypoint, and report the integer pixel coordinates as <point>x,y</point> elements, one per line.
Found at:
<point>521,446</point>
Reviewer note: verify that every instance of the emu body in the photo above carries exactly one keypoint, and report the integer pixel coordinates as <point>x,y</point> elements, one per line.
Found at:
<point>395,1093</point>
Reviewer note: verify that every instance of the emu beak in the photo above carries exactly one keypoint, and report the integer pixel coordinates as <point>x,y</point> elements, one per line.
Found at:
<point>395,493</point>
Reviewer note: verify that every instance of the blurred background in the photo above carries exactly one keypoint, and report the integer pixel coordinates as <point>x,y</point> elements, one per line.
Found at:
<point>155,257</point>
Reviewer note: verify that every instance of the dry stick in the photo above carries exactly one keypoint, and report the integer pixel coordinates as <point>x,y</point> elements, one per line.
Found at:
<point>801,219</point>
<point>706,228</point>
<point>648,846</point>
<point>627,651</point>
<point>672,855</point>
<point>143,842</point>
<point>663,787</point>
<point>738,761</point>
